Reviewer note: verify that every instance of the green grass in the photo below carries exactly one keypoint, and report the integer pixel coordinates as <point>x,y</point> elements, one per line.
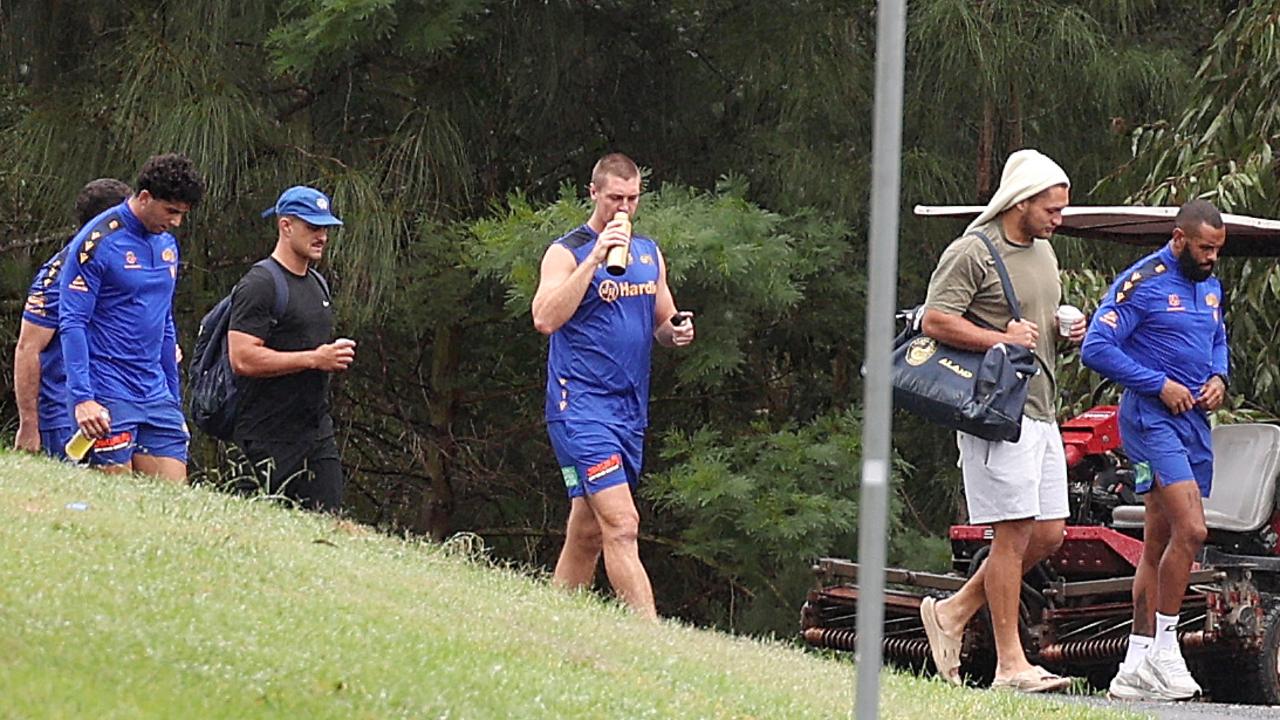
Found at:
<point>158,601</point>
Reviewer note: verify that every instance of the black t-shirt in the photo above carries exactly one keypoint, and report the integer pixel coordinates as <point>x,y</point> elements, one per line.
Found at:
<point>292,407</point>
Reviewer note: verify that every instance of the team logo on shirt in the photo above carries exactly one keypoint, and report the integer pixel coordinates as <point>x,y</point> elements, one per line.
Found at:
<point>920,350</point>
<point>646,259</point>
<point>611,290</point>
<point>1211,300</point>
<point>131,261</point>
<point>606,466</point>
<point>1175,302</point>
<point>169,255</point>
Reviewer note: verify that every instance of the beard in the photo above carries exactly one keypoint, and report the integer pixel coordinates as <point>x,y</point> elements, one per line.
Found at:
<point>1192,269</point>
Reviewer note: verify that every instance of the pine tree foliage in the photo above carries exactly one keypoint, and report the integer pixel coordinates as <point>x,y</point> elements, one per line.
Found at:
<point>456,137</point>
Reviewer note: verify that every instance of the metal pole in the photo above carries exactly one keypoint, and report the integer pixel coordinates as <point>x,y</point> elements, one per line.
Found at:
<point>877,418</point>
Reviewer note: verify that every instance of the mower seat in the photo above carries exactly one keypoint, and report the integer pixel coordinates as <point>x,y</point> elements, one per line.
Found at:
<point>1246,459</point>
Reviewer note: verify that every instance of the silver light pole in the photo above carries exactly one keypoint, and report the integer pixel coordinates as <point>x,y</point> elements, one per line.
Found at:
<point>877,419</point>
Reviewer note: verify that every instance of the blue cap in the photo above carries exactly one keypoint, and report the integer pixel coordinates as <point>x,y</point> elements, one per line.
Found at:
<point>307,203</point>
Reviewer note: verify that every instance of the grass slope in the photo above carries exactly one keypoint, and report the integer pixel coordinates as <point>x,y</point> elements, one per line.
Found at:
<point>157,601</point>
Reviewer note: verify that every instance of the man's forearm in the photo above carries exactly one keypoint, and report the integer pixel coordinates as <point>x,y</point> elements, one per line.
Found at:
<point>958,332</point>
<point>75,356</point>
<point>263,362</point>
<point>26,385</point>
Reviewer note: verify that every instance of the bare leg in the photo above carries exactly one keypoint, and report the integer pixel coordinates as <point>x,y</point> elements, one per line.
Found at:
<point>576,567</point>
<point>1003,585</point>
<point>619,522</point>
<point>165,468</point>
<point>1181,506</point>
<point>1155,538</point>
<point>955,612</point>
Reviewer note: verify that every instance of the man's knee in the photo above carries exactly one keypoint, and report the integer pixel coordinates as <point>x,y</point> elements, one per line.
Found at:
<point>1191,533</point>
<point>585,536</point>
<point>1013,535</point>
<point>1048,538</point>
<point>619,527</point>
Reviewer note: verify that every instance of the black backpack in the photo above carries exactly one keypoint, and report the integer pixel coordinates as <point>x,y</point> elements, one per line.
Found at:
<point>212,386</point>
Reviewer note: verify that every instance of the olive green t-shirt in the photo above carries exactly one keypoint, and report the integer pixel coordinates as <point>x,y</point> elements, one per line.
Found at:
<point>966,283</point>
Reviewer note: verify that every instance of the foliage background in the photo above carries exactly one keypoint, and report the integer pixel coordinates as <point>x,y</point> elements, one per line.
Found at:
<point>456,137</point>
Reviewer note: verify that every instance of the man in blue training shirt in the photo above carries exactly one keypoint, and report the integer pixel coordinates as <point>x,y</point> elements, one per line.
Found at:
<point>38,377</point>
<point>119,343</point>
<point>1160,333</point>
<point>602,328</point>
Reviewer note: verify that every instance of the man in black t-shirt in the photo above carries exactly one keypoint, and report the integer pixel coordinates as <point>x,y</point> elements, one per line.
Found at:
<point>285,358</point>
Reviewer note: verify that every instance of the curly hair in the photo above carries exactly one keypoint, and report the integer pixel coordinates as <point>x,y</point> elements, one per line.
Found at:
<point>171,177</point>
<point>98,195</point>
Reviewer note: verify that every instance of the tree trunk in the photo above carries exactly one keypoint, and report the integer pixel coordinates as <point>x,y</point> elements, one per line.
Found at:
<point>1015,121</point>
<point>986,145</point>
<point>436,512</point>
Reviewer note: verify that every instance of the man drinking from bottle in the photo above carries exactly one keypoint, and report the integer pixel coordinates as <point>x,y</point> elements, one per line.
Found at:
<point>602,323</point>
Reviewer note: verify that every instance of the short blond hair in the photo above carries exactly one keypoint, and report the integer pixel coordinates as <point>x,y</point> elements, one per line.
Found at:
<point>615,164</point>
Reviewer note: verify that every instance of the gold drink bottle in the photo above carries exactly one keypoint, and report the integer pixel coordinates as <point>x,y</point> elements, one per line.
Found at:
<point>616,261</point>
<point>80,444</point>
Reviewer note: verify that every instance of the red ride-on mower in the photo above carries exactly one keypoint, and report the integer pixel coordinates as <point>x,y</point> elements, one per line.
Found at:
<point>1077,606</point>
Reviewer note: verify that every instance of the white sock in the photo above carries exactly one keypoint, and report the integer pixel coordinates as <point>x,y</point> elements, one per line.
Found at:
<point>1138,646</point>
<point>1167,633</point>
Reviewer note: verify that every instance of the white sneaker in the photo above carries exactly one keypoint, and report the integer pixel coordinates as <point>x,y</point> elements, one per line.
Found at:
<point>1128,686</point>
<point>1166,677</point>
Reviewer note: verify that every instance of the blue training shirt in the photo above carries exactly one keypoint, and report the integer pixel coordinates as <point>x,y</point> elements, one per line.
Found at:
<point>41,309</point>
<point>1156,323</point>
<point>116,324</point>
<point>598,362</point>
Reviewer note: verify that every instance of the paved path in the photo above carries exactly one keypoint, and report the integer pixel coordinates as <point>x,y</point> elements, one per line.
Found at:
<point>1182,711</point>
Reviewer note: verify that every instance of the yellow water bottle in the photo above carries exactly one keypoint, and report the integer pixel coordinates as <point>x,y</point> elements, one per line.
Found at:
<point>80,444</point>
<point>616,261</point>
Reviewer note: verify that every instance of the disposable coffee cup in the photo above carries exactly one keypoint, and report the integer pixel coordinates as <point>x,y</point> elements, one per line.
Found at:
<point>344,342</point>
<point>1068,316</point>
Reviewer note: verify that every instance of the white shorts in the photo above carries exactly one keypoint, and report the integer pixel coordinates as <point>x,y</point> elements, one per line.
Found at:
<point>1015,481</point>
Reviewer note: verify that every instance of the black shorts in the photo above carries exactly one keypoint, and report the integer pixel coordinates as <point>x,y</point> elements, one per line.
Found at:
<point>309,473</point>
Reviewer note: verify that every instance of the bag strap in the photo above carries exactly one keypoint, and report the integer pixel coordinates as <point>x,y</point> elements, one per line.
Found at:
<point>324,284</point>
<point>1014,308</point>
<point>282,286</point>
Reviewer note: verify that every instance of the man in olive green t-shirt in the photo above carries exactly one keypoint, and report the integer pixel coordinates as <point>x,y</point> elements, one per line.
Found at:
<point>1020,488</point>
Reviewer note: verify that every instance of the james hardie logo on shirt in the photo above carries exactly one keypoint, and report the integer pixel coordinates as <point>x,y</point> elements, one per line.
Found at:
<point>611,290</point>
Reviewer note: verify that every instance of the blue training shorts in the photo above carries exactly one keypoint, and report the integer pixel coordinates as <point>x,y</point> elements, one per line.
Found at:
<point>53,441</point>
<point>1165,449</point>
<point>157,428</point>
<point>595,456</point>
